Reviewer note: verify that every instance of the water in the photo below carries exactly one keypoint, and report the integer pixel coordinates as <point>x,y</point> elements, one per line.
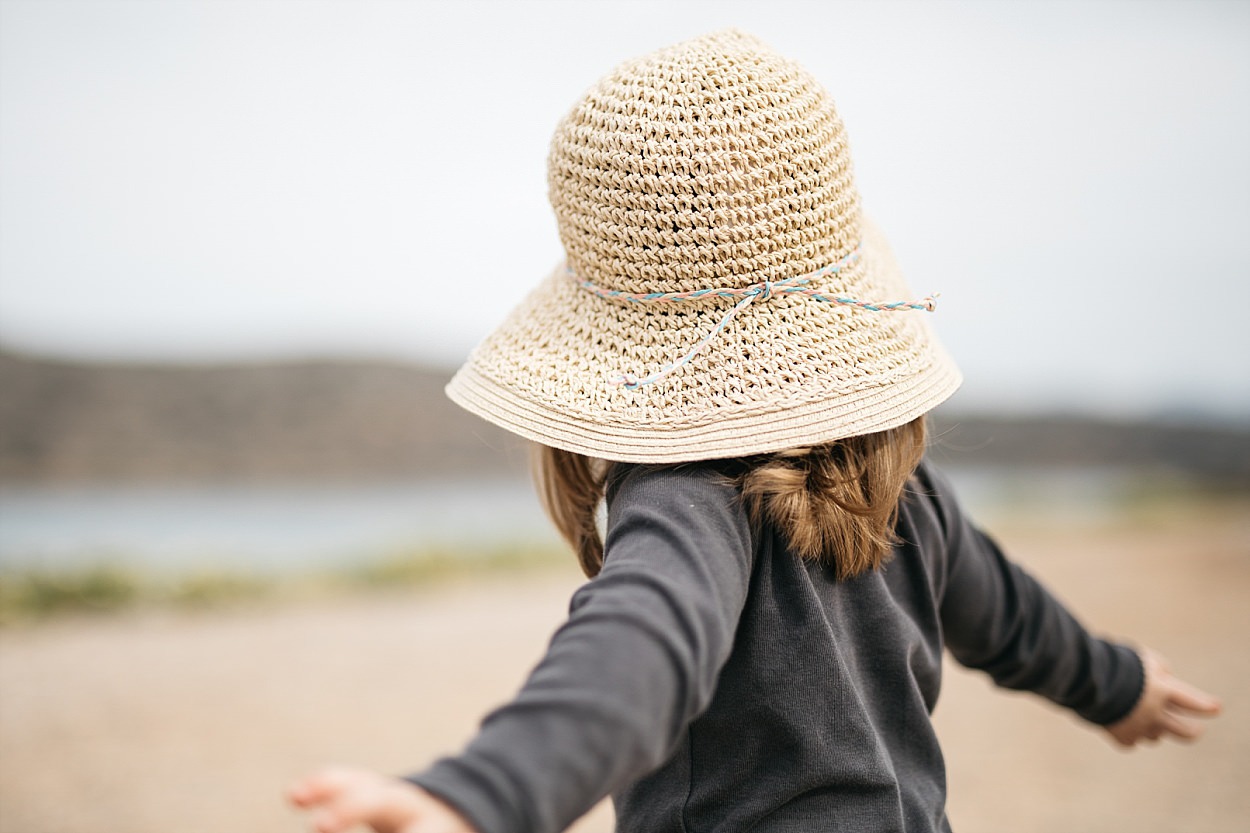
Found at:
<point>285,527</point>
<point>1068,494</point>
<point>260,527</point>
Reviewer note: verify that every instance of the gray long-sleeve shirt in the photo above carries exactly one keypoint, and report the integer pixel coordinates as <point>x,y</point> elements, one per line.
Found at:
<point>711,681</point>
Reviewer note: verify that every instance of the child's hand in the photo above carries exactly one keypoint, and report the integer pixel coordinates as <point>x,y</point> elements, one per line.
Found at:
<point>344,798</point>
<point>1166,707</point>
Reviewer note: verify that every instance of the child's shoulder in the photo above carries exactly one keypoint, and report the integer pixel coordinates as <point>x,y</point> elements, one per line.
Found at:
<point>702,476</point>
<point>685,495</point>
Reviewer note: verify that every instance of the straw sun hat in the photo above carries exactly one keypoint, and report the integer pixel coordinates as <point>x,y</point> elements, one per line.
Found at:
<point>722,294</point>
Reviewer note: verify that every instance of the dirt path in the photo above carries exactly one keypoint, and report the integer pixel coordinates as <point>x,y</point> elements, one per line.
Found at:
<point>154,723</point>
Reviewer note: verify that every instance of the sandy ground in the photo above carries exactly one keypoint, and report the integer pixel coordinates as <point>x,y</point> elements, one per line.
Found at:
<point>194,722</point>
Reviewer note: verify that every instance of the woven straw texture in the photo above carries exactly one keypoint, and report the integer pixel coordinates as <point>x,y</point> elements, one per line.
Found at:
<point>714,163</point>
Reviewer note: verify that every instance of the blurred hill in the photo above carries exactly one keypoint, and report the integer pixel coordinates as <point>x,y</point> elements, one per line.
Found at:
<point>343,420</point>
<point>1217,456</point>
<point>354,420</point>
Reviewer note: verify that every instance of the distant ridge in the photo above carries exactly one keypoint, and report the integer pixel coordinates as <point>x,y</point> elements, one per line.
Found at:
<point>64,422</point>
<point>1220,456</point>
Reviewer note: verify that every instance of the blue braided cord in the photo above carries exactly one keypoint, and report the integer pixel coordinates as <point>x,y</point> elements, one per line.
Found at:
<point>746,295</point>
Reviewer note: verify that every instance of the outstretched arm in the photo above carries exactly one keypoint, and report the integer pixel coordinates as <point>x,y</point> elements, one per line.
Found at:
<point>999,619</point>
<point>637,660</point>
<point>996,617</point>
<point>1167,707</point>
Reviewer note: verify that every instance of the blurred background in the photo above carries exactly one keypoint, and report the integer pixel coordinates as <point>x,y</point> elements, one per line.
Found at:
<point>243,245</point>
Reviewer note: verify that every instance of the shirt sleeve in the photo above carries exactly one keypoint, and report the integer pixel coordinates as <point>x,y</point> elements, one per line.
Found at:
<point>999,619</point>
<point>635,663</point>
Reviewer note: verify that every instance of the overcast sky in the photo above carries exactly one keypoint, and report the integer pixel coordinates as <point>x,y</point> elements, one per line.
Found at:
<point>222,180</point>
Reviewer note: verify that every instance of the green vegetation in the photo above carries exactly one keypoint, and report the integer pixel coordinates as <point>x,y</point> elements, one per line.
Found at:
<point>415,568</point>
<point>97,589</point>
<point>28,595</point>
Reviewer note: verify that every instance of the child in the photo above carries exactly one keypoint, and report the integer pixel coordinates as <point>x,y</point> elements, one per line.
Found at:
<point>731,360</point>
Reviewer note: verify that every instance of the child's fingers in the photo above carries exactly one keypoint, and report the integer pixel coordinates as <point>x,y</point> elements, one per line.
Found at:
<point>1181,727</point>
<point>346,809</point>
<point>340,819</point>
<point>339,789</point>
<point>384,803</point>
<point>328,821</point>
<point>1189,698</point>
<point>318,787</point>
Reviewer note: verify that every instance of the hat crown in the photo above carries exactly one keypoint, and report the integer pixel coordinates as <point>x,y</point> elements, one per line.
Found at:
<point>728,299</point>
<point>714,162</point>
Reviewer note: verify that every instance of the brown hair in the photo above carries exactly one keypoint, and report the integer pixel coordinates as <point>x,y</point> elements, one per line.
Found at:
<point>834,503</point>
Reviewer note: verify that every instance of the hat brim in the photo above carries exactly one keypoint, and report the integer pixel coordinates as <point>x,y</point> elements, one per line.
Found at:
<point>785,372</point>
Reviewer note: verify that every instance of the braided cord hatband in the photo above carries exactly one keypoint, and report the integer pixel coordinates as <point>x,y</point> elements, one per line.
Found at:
<point>749,294</point>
